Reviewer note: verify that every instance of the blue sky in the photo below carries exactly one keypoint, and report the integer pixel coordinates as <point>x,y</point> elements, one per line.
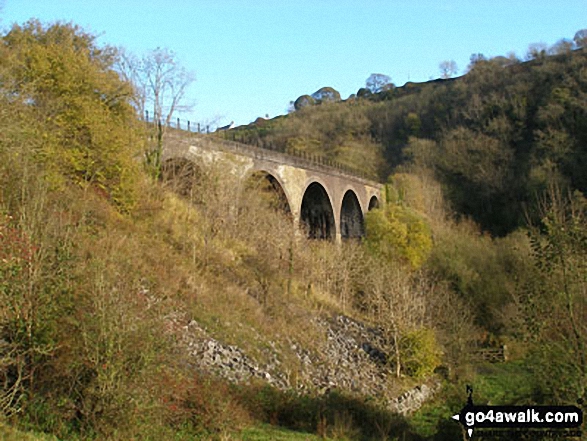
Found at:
<point>252,57</point>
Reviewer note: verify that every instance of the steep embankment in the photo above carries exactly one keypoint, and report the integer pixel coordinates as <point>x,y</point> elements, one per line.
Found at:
<point>352,358</point>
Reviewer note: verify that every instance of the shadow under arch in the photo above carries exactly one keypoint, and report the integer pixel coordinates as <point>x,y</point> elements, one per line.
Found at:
<point>181,176</point>
<point>269,189</point>
<point>352,225</point>
<point>373,203</point>
<point>317,214</point>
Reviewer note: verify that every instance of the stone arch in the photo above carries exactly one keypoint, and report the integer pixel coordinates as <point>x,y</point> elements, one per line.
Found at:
<point>317,214</point>
<point>270,188</point>
<point>373,203</point>
<point>352,225</point>
<point>181,175</point>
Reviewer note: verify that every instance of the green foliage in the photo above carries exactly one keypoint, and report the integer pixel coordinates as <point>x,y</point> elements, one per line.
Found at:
<point>396,232</point>
<point>477,159</point>
<point>337,132</point>
<point>326,95</point>
<point>554,301</point>
<point>304,101</point>
<point>493,138</point>
<point>483,271</point>
<point>66,92</point>
<point>421,354</point>
<point>511,383</point>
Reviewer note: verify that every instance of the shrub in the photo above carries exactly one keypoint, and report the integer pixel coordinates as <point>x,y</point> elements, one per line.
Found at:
<point>398,233</point>
<point>421,354</point>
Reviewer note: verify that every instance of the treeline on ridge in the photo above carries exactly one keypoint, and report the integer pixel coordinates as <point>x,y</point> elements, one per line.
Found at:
<point>494,137</point>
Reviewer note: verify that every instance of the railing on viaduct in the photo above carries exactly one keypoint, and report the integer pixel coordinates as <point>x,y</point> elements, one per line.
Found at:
<point>259,147</point>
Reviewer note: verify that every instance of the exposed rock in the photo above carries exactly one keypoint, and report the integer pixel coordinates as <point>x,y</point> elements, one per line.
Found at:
<point>227,361</point>
<point>413,399</point>
<point>351,359</point>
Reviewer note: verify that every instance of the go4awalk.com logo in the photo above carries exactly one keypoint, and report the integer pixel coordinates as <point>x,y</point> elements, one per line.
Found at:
<point>520,417</point>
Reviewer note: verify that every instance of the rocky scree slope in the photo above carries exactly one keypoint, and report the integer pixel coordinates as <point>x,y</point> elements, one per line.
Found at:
<point>351,358</point>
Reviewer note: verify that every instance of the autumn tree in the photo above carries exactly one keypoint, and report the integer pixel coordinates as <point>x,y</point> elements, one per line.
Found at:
<point>378,83</point>
<point>304,101</point>
<point>68,132</point>
<point>326,95</point>
<point>80,109</point>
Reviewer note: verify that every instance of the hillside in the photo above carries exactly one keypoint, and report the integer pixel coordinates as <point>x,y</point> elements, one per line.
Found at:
<point>138,307</point>
<point>494,138</point>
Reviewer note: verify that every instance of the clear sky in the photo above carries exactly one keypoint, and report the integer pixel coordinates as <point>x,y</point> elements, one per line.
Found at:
<point>252,57</point>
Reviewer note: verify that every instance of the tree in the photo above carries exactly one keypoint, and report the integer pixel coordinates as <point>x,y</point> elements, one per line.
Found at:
<point>79,108</point>
<point>536,50</point>
<point>166,82</point>
<point>398,302</point>
<point>326,94</point>
<point>363,93</point>
<point>448,69</point>
<point>580,38</point>
<point>562,46</point>
<point>378,83</point>
<point>161,84</point>
<point>66,122</point>
<point>304,101</point>
<point>475,59</point>
<point>397,233</point>
<point>479,159</point>
<point>554,300</point>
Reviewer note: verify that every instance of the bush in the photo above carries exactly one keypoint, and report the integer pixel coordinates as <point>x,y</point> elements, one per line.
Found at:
<point>421,354</point>
<point>398,233</point>
<point>482,270</point>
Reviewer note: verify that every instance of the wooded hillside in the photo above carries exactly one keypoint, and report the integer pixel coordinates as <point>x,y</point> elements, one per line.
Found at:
<point>112,277</point>
<point>494,138</point>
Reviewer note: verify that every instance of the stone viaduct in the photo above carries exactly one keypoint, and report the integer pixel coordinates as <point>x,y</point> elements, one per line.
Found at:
<point>328,202</point>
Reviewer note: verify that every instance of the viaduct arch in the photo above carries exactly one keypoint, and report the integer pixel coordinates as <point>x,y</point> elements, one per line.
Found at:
<point>326,202</point>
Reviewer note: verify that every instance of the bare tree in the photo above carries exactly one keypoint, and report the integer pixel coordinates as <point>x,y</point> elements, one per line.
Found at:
<point>160,85</point>
<point>165,82</point>
<point>536,51</point>
<point>448,69</point>
<point>128,66</point>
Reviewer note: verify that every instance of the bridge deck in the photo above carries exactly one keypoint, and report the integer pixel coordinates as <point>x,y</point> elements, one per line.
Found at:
<point>293,157</point>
